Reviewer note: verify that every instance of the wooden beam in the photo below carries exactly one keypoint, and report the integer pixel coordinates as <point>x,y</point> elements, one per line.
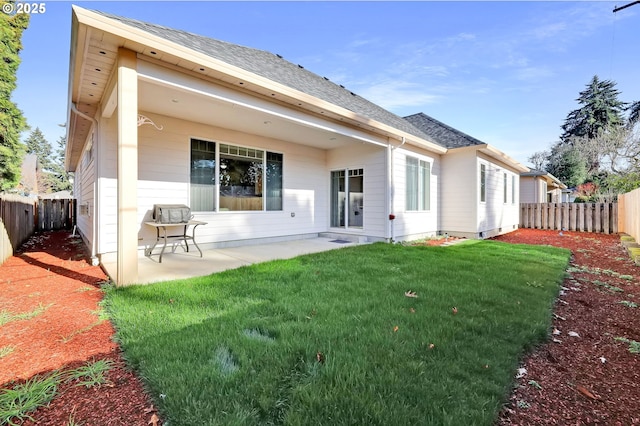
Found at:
<point>127,90</point>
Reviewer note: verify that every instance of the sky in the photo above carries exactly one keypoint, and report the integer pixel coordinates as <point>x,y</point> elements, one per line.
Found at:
<point>505,72</point>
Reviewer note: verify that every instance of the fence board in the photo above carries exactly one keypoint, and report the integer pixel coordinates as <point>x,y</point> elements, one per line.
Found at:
<point>56,214</point>
<point>17,223</point>
<point>629,213</point>
<point>589,217</point>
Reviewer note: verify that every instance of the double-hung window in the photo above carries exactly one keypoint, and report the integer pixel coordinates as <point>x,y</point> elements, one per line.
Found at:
<point>483,183</point>
<point>504,189</point>
<point>227,177</point>
<point>418,184</point>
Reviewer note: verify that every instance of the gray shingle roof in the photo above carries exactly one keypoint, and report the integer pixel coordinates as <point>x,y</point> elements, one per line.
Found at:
<point>441,133</point>
<point>277,69</point>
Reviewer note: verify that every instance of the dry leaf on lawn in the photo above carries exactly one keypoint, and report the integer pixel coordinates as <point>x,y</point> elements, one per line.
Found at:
<point>154,420</point>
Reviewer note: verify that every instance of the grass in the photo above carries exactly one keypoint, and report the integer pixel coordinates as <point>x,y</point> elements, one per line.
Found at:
<point>331,338</point>
<point>17,403</point>
<point>7,317</point>
<point>91,374</point>
<point>634,347</point>
<point>6,350</point>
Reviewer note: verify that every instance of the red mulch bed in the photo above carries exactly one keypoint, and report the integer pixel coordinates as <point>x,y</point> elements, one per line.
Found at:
<point>52,273</point>
<point>566,383</point>
<point>592,379</point>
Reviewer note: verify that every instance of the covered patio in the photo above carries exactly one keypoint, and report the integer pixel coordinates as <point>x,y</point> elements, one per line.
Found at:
<point>181,265</point>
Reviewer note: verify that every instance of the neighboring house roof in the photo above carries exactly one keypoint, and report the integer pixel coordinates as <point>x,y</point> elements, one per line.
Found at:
<point>275,68</point>
<point>60,195</point>
<point>441,133</point>
<point>548,177</point>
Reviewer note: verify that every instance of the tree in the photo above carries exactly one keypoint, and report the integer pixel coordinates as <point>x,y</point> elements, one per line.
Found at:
<point>617,151</point>
<point>567,164</point>
<point>539,159</point>
<point>52,176</point>
<point>60,178</point>
<point>38,145</point>
<point>600,110</point>
<point>634,113</point>
<point>12,122</point>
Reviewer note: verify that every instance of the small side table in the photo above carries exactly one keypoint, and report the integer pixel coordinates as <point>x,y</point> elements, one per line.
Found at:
<point>174,227</point>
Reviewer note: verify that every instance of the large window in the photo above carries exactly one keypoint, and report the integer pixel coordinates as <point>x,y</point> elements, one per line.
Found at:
<point>418,194</point>
<point>483,182</point>
<point>248,179</point>
<point>504,188</point>
<point>203,175</point>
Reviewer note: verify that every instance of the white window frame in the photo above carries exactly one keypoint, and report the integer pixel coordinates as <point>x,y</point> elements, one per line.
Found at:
<point>482,182</point>
<point>423,202</point>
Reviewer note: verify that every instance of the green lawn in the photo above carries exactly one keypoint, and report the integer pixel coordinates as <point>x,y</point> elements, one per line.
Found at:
<point>331,338</point>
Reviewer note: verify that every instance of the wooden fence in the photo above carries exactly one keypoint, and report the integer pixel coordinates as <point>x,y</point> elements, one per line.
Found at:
<point>56,214</point>
<point>21,216</point>
<point>17,223</point>
<point>629,208</point>
<point>581,217</point>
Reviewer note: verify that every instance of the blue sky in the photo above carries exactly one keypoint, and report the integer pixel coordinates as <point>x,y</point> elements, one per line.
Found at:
<point>505,72</point>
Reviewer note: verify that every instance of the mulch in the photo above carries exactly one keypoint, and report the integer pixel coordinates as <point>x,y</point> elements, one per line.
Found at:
<point>51,275</point>
<point>589,379</point>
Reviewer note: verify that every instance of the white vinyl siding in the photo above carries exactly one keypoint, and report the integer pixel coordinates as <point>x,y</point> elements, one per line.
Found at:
<point>84,191</point>
<point>415,224</point>
<point>164,177</point>
<point>495,216</point>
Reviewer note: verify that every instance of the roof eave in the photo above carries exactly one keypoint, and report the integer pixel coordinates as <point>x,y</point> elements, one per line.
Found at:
<point>138,36</point>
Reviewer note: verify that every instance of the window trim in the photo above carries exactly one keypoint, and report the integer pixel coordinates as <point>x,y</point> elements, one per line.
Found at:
<point>483,183</point>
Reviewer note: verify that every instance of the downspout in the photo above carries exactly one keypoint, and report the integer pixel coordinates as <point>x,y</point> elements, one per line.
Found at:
<point>390,150</point>
<point>94,258</point>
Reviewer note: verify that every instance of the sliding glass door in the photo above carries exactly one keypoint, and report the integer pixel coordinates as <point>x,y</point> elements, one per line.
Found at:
<point>347,198</point>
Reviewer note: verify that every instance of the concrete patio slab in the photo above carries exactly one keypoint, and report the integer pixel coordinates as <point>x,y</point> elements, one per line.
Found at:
<point>180,264</point>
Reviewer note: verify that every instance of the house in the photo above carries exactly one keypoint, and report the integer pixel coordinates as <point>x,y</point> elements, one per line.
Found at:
<point>479,183</point>
<point>260,148</point>
<point>537,186</point>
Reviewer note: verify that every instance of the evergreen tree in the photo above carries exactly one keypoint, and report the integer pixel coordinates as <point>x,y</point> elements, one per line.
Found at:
<point>567,164</point>
<point>600,109</point>
<point>38,145</point>
<point>52,176</point>
<point>12,121</point>
<point>634,113</point>
<point>59,176</point>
